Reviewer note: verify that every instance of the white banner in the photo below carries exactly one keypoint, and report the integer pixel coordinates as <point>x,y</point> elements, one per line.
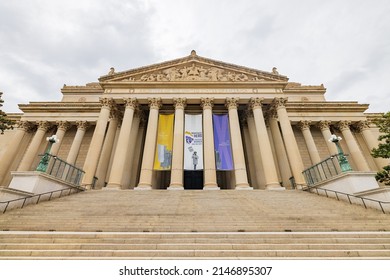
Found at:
<point>193,142</point>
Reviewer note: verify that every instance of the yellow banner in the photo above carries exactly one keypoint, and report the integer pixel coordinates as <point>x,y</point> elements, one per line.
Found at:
<point>163,156</point>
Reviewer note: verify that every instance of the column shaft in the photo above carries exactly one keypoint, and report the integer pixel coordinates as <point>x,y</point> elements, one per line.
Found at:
<point>76,144</point>
<point>210,175</point>
<point>280,150</point>
<point>12,149</point>
<point>293,153</point>
<point>128,172</point>
<point>267,158</point>
<point>324,127</point>
<point>258,164</point>
<point>178,145</point>
<point>137,154</point>
<point>32,150</point>
<point>121,151</point>
<point>62,127</point>
<point>311,146</point>
<point>237,147</point>
<point>95,147</point>
<point>353,147</point>
<point>146,176</point>
<point>104,160</point>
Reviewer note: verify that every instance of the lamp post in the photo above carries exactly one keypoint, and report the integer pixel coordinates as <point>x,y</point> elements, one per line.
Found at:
<point>344,164</point>
<point>43,163</point>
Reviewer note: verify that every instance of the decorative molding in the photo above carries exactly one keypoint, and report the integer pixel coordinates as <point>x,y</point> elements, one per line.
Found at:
<point>207,103</point>
<point>26,126</point>
<point>304,125</point>
<point>232,103</point>
<point>155,103</point>
<point>180,103</point>
<point>323,125</point>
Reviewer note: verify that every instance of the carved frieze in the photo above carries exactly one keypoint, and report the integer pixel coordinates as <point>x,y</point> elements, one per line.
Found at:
<point>195,73</point>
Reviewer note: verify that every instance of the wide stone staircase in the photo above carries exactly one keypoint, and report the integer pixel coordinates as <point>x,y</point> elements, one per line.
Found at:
<point>162,224</point>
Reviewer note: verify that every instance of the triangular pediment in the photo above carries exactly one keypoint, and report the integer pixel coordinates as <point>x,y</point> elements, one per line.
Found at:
<point>193,68</point>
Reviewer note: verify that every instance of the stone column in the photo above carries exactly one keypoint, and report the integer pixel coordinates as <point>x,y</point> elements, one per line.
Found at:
<point>324,127</point>
<point>267,158</point>
<point>62,127</point>
<point>115,180</point>
<point>104,160</point>
<point>291,144</point>
<point>210,175</point>
<point>96,144</point>
<point>138,153</point>
<point>364,128</point>
<point>304,126</point>
<point>32,150</point>
<point>257,162</point>
<point>145,181</point>
<point>237,147</point>
<point>13,147</point>
<point>128,171</point>
<point>75,148</point>
<point>280,150</point>
<point>353,147</point>
<point>178,145</point>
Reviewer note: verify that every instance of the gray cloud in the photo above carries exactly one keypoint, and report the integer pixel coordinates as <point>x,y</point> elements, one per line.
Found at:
<point>342,44</point>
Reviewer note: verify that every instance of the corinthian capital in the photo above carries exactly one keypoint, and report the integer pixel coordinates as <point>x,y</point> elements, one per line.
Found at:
<point>155,103</point>
<point>82,125</point>
<point>323,125</point>
<point>362,125</point>
<point>343,125</point>
<point>44,125</point>
<point>232,103</point>
<point>179,103</point>
<point>279,102</point>
<point>131,103</point>
<point>25,125</point>
<point>303,125</point>
<point>256,102</point>
<point>107,102</point>
<point>207,103</point>
<point>63,125</point>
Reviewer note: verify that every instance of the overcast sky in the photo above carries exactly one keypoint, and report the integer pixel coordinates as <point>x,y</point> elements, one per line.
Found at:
<point>344,44</point>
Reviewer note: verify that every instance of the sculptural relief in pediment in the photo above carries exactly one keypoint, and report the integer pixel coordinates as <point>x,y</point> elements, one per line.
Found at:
<point>197,73</point>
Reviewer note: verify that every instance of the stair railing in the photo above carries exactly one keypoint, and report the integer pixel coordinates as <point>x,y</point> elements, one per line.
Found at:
<point>39,196</point>
<point>364,200</point>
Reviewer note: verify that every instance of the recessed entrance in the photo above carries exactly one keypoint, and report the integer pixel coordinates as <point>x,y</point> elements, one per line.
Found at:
<point>193,180</point>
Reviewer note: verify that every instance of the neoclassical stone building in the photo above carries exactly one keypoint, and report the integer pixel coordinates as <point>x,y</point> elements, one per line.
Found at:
<point>190,123</point>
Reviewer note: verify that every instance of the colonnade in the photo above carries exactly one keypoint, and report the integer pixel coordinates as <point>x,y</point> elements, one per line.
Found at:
<point>274,158</point>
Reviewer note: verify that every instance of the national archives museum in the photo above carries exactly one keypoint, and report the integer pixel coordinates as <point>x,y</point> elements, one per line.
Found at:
<point>187,123</point>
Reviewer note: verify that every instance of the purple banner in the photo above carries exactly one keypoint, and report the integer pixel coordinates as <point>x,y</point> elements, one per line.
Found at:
<point>223,152</point>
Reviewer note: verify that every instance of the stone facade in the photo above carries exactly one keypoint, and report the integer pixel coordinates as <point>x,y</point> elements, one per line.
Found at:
<point>108,128</point>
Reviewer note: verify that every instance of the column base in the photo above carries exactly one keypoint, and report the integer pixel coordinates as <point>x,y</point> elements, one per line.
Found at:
<point>243,187</point>
<point>300,186</point>
<point>175,187</point>
<point>274,187</point>
<point>143,187</point>
<point>210,186</point>
<point>113,186</point>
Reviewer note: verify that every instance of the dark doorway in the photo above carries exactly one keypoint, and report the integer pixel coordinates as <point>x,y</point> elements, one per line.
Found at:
<point>193,180</point>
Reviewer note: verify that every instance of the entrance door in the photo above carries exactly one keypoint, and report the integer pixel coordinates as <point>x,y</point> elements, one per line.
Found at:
<point>193,180</point>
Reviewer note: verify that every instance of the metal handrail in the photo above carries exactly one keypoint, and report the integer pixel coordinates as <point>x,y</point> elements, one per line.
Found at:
<point>363,199</point>
<point>39,197</point>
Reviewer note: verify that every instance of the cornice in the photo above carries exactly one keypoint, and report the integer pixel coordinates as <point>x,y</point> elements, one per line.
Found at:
<point>60,107</point>
<point>327,106</point>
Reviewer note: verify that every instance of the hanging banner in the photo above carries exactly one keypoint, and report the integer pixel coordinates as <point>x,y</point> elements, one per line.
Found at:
<point>223,151</point>
<point>193,142</point>
<point>163,155</point>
